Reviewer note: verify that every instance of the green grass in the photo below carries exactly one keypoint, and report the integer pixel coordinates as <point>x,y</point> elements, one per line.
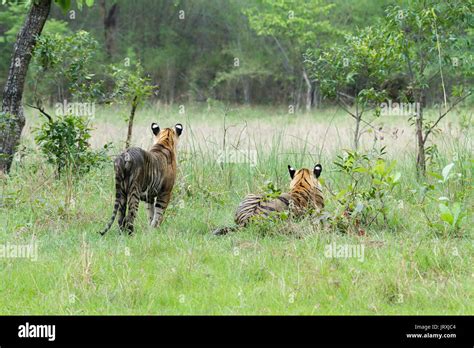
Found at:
<point>180,268</point>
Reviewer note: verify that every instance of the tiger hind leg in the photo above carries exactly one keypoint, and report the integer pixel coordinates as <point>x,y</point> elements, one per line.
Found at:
<point>133,201</point>
<point>150,207</point>
<point>122,210</point>
<point>161,203</point>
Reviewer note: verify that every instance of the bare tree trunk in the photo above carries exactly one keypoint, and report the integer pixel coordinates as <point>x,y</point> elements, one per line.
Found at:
<point>420,155</point>
<point>110,27</point>
<point>315,96</point>
<point>308,91</point>
<point>356,133</point>
<point>171,77</point>
<point>246,86</point>
<point>12,119</point>
<point>357,129</point>
<point>130,123</point>
<point>297,95</point>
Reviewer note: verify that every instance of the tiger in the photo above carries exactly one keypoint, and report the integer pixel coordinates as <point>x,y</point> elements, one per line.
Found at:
<point>305,194</point>
<point>148,176</point>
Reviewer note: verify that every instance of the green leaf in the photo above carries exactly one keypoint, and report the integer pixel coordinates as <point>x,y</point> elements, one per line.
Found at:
<point>446,215</point>
<point>379,168</point>
<point>456,210</point>
<point>435,175</point>
<point>64,4</point>
<point>396,177</point>
<point>446,171</point>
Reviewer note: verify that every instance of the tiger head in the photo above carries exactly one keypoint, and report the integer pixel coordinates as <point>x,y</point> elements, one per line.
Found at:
<point>305,185</point>
<point>167,137</point>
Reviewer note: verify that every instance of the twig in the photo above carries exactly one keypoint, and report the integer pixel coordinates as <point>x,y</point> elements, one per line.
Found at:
<point>50,119</point>
<point>346,95</point>
<point>286,62</point>
<point>325,134</point>
<point>236,146</point>
<point>440,65</point>
<point>441,116</point>
<point>343,106</point>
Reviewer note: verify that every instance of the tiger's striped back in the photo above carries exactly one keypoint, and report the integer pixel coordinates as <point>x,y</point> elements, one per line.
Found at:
<point>254,205</point>
<point>305,194</point>
<point>148,176</point>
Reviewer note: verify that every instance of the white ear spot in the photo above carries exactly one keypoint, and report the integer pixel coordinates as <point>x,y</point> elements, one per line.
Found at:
<point>317,167</point>
<point>179,126</point>
<point>292,169</point>
<point>155,126</point>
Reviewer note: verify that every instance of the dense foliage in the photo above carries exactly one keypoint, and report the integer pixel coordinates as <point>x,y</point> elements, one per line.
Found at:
<point>65,144</point>
<point>242,51</point>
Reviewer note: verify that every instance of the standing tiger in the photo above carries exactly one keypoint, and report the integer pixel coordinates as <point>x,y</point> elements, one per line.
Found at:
<point>305,194</point>
<point>145,175</point>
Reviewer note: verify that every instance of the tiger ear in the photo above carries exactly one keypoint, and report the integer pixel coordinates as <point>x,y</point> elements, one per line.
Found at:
<point>155,128</point>
<point>178,128</point>
<point>317,170</point>
<point>292,171</point>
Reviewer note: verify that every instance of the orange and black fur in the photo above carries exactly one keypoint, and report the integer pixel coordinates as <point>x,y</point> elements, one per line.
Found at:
<point>305,194</point>
<point>148,176</point>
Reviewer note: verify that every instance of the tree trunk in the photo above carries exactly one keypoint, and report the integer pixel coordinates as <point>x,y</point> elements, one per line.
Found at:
<point>308,91</point>
<point>12,119</point>
<point>420,155</point>
<point>357,128</point>
<point>297,95</point>
<point>356,132</point>
<point>246,86</point>
<point>130,123</point>
<point>110,27</point>
<point>315,96</point>
<point>171,79</point>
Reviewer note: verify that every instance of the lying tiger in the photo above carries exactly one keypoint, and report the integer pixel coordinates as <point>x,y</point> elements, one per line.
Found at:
<point>145,175</point>
<point>305,194</point>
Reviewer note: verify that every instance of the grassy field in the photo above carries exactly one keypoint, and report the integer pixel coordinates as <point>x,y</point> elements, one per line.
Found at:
<point>407,267</point>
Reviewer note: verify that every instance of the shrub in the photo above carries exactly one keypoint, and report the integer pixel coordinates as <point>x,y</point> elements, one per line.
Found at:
<point>443,193</point>
<point>371,179</point>
<point>64,142</point>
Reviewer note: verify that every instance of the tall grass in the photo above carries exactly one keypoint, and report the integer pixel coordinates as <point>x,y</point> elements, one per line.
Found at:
<point>408,267</point>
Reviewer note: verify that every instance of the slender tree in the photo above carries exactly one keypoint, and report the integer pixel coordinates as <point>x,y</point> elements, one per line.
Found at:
<point>428,36</point>
<point>12,119</point>
<point>294,26</point>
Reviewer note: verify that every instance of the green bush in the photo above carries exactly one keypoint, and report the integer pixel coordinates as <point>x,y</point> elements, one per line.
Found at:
<point>64,142</point>
<point>446,193</point>
<point>370,182</point>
